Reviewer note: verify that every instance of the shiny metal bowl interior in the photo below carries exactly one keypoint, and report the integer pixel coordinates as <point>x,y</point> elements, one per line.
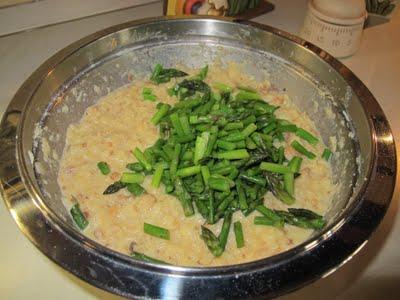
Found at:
<point>58,94</point>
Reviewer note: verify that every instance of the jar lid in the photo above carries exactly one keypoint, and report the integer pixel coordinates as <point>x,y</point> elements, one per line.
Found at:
<point>343,12</point>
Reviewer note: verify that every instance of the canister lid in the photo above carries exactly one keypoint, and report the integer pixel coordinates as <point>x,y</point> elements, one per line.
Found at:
<point>344,12</point>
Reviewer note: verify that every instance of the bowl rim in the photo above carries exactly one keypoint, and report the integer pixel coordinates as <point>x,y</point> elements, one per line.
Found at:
<point>73,236</point>
<point>71,230</point>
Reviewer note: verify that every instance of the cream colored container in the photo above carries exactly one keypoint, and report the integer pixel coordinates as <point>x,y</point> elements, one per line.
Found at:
<point>335,25</point>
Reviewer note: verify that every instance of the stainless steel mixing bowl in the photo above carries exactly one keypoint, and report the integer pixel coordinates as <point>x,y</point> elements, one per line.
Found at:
<point>56,95</point>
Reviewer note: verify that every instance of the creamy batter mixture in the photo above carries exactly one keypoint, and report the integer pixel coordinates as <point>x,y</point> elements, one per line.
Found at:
<point>112,128</point>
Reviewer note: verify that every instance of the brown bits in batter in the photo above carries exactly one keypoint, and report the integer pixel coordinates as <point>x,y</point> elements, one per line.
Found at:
<point>314,203</point>
<point>84,145</point>
<point>74,200</point>
<point>278,100</point>
<point>81,198</point>
<point>98,234</point>
<point>110,145</point>
<point>123,197</point>
<point>290,151</point>
<point>113,211</point>
<point>175,224</point>
<point>263,88</point>
<point>150,199</point>
<point>115,175</point>
<point>86,214</point>
<point>134,208</point>
<point>274,88</point>
<point>69,169</point>
<point>93,109</point>
<point>306,171</point>
<point>284,229</point>
<point>132,246</point>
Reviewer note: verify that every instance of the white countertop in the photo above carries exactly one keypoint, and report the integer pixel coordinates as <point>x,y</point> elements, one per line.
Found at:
<point>374,273</point>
